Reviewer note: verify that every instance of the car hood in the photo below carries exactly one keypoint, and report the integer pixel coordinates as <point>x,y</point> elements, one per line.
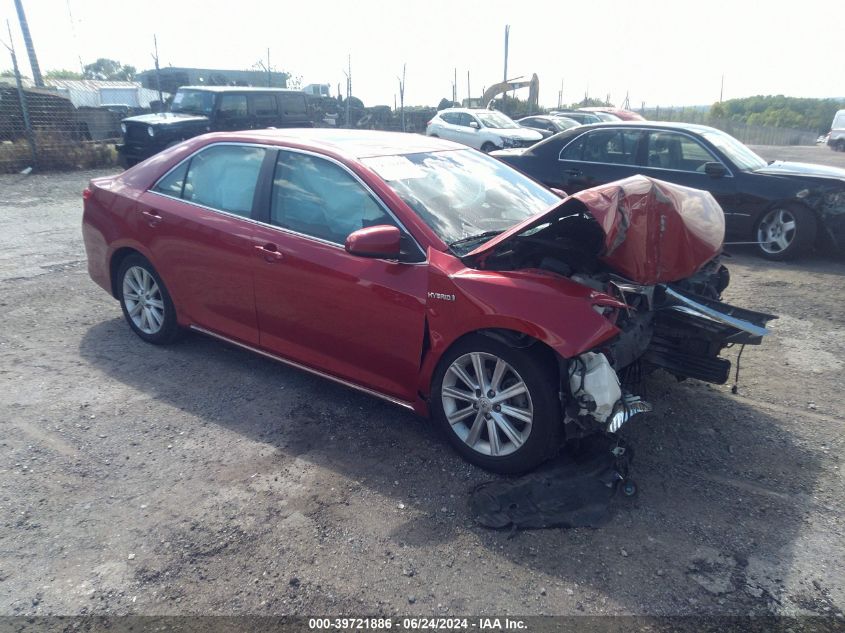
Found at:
<point>785,168</point>
<point>165,118</point>
<point>521,134</point>
<point>653,231</point>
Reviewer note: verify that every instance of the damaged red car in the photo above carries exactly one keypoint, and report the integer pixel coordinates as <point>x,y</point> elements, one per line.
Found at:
<point>424,273</point>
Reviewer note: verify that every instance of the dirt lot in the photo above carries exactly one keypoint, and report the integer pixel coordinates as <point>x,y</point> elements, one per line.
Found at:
<point>202,479</point>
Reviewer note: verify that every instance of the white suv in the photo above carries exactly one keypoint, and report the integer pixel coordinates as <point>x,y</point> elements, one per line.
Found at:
<point>486,130</point>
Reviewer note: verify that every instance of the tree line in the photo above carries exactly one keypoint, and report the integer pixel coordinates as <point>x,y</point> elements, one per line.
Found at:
<point>780,111</point>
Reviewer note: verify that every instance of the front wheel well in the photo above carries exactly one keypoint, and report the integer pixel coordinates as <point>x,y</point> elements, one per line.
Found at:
<point>515,339</point>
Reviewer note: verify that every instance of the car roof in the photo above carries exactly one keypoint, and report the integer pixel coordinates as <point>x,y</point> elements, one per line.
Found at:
<point>350,143</point>
<point>238,89</point>
<point>668,125</point>
<point>468,110</point>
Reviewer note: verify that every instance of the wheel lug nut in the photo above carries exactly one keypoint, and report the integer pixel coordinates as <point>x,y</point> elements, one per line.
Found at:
<point>497,408</point>
<point>478,392</point>
<point>474,405</point>
<point>491,393</point>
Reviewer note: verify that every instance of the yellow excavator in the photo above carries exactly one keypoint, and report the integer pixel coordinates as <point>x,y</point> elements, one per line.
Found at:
<point>506,86</point>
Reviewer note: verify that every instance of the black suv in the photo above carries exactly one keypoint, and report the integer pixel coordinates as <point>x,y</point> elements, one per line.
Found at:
<point>199,109</point>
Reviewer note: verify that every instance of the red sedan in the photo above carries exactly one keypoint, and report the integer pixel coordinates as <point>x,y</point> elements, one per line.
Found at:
<point>425,273</point>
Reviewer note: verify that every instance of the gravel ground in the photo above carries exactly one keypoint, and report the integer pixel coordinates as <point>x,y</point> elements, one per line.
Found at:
<point>202,479</point>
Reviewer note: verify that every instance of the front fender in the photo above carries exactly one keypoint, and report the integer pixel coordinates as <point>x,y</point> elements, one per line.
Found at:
<point>547,307</point>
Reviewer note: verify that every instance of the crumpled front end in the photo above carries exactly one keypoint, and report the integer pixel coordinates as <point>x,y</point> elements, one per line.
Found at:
<point>666,327</point>
<point>654,248</point>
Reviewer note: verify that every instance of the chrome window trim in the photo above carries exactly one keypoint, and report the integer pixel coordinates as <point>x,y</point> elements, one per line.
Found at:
<point>647,130</point>
<point>372,392</point>
<point>342,247</point>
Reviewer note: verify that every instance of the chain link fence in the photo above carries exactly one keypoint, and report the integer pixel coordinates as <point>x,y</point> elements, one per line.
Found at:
<point>42,130</point>
<point>748,134</point>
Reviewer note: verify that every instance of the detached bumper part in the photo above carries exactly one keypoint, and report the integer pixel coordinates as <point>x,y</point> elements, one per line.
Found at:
<point>594,385</point>
<point>625,409</point>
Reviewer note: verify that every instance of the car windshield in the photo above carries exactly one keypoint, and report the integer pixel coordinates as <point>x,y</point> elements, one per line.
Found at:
<point>463,195</point>
<point>496,120</point>
<point>193,101</point>
<point>564,123</point>
<point>739,154</point>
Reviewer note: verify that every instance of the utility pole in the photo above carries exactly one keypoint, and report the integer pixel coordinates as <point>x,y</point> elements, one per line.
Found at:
<point>469,92</point>
<point>560,95</point>
<point>455,88</point>
<point>507,34</point>
<point>348,86</point>
<point>505,78</point>
<point>30,137</point>
<point>30,49</point>
<point>269,74</point>
<point>722,88</point>
<point>158,72</point>
<point>401,96</point>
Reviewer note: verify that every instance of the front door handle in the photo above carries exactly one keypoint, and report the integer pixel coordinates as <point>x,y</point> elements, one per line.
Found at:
<point>153,218</point>
<point>270,253</point>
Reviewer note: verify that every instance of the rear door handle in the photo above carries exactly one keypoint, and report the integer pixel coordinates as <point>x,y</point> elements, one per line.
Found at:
<point>573,172</point>
<point>270,253</point>
<point>152,217</point>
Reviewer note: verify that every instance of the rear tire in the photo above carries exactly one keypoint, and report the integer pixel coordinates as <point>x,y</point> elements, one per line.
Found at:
<point>502,433</point>
<point>785,231</point>
<point>145,301</point>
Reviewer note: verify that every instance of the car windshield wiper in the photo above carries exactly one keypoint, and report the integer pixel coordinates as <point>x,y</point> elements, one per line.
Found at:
<point>473,238</point>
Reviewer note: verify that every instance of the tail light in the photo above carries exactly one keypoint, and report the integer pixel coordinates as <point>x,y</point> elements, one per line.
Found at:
<point>87,194</point>
<point>429,123</point>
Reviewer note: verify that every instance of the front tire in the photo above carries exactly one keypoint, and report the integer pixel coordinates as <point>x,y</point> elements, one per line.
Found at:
<point>507,422</point>
<point>145,301</point>
<point>785,231</point>
<point>488,147</point>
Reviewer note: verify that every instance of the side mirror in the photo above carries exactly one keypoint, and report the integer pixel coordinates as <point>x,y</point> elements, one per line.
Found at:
<point>715,170</point>
<point>379,242</point>
<point>473,124</point>
<point>560,193</point>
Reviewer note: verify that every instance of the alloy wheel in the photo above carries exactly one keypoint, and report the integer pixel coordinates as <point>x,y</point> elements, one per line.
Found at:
<point>143,300</point>
<point>776,231</point>
<point>487,404</point>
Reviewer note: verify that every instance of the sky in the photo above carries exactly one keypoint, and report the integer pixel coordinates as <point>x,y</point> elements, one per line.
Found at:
<point>658,52</point>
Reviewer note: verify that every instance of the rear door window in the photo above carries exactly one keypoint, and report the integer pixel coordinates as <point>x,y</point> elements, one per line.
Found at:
<point>264,105</point>
<point>616,147</point>
<point>293,104</point>
<point>224,177</point>
<point>233,106</point>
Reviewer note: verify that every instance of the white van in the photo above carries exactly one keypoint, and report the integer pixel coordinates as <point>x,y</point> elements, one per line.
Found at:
<point>836,140</point>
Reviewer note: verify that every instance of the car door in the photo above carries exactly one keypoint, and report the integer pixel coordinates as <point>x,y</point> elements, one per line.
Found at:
<point>293,109</point>
<point>196,223</point>
<point>263,110</point>
<point>232,112</point>
<point>680,158</point>
<point>598,157</point>
<point>356,318</point>
<point>466,134</point>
